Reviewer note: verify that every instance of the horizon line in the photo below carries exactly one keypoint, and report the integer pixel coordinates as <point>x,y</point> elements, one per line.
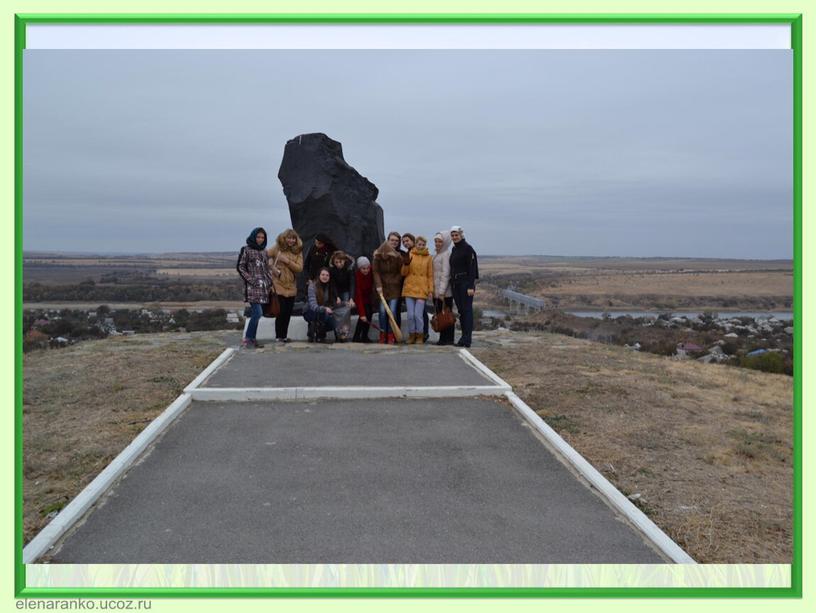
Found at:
<point>29,253</point>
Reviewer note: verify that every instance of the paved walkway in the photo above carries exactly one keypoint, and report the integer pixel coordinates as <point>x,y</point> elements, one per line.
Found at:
<point>306,365</point>
<point>351,481</point>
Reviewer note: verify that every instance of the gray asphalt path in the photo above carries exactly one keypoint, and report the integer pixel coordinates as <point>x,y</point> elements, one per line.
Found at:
<point>305,365</point>
<point>397,481</point>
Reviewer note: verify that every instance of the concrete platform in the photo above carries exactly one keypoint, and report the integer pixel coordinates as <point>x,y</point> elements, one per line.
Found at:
<point>401,481</point>
<point>298,328</point>
<point>349,364</point>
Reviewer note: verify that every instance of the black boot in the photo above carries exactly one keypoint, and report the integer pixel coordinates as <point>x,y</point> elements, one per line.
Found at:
<point>361,332</point>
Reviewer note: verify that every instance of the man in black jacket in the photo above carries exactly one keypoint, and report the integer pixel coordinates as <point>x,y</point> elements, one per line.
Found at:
<point>464,270</point>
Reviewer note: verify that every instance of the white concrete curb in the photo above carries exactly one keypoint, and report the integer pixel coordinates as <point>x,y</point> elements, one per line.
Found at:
<point>214,365</point>
<point>66,518</point>
<point>620,502</point>
<point>469,358</point>
<point>241,394</point>
<point>88,496</point>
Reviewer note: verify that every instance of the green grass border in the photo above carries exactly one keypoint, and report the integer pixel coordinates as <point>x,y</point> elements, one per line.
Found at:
<point>19,46</point>
<point>795,21</point>
<point>375,592</point>
<point>346,18</point>
<point>796,45</point>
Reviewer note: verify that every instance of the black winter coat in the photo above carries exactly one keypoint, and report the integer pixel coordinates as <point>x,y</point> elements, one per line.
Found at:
<point>315,260</point>
<point>464,267</point>
<point>343,280</point>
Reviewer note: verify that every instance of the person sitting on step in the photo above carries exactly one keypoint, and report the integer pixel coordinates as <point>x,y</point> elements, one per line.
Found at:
<point>365,298</point>
<point>342,277</point>
<point>318,310</point>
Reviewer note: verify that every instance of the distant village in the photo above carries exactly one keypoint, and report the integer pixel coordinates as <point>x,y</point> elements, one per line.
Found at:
<point>762,343</point>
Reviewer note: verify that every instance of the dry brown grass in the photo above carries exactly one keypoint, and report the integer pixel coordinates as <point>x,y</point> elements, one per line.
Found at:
<point>83,404</point>
<point>527,264</point>
<point>205,273</point>
<point>708,447</point>
<point>621,283</point>
<point>730,284</point>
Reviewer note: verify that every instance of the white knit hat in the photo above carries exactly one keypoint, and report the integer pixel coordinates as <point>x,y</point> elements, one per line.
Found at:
<point>363,261</point>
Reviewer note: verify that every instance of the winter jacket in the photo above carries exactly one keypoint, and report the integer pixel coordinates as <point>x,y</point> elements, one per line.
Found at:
<point>464,267</point>
<point>314,303</point>
<point>441,273</point>
<point>254,270</point>
<point>418,275</point>
<point>289,261</point>
<point>387,271</point>
<point>364,294</point>
<point>342,278</point>
<point>318,258</point>
<point>441,262</point>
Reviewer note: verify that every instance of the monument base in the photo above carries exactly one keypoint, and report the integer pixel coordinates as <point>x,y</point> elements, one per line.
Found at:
<point>298,328</point>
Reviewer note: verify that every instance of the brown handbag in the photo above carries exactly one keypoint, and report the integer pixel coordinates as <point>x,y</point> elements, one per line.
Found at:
<point>442,320</point>
<point>272,307</point>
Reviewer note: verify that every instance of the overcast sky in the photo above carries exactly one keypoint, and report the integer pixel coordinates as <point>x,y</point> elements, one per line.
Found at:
<point>630,153</point>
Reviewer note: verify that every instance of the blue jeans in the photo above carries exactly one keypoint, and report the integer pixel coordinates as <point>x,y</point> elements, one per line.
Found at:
<point>321,317</point>
<point>255,317</point>
<point>464,304</point>
<point>384,324</point>
<point>416,307</point>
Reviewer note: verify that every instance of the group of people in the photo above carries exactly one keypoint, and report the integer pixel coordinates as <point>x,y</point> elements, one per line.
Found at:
<point>400,272</point>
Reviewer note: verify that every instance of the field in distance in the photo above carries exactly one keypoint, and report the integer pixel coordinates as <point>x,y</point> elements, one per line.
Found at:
<point>62,268</point>
<point>566,282</point>
<point>647,283</point>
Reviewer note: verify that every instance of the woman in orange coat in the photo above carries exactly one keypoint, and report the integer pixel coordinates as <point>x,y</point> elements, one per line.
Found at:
<point>417,287</point>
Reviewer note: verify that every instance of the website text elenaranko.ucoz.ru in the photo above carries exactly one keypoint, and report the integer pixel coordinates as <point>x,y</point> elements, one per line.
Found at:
<point>84,604</point>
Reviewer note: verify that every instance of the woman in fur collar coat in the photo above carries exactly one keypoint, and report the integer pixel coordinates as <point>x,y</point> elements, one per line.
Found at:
<point>286,257</point>
<point>387,271</point>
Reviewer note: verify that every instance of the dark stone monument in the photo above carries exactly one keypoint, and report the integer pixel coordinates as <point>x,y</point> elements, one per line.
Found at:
<point>327,195</point>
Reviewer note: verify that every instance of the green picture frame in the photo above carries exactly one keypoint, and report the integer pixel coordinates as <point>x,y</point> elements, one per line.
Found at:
<point>795,23</point>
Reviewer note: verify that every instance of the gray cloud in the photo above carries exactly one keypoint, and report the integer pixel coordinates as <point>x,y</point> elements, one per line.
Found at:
<point>642,153</point>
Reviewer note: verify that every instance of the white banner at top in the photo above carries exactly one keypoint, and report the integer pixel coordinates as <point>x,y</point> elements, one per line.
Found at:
<point>413,36</point>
